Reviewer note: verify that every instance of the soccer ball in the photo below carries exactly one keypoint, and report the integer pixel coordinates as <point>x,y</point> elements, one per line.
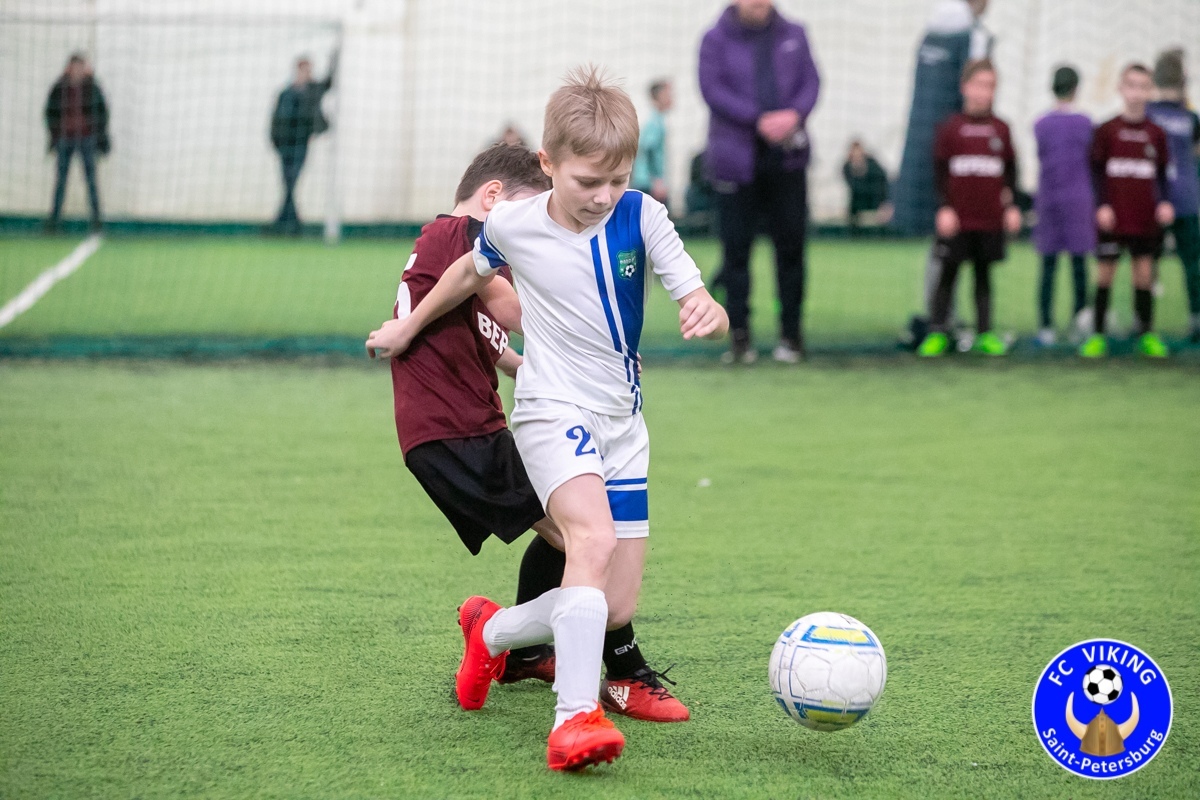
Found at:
<point>1102,684</point>
<point>827,671</point>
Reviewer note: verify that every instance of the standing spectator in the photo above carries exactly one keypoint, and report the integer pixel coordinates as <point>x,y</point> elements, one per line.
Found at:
<point>976,171</point>
<point>867,183</point>
<point>77,120</point>
<point>1066,216</point>
<point>650,166</point>
<point>298,118</point>
<point>760,82</point>
<point>953,37</point>
<point>1182,127</point>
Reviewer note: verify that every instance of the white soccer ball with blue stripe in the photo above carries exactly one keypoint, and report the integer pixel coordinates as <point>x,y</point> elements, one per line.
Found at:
<point>827,671</point>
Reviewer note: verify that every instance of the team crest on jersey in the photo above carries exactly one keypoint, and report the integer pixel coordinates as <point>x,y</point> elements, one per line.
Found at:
<point>627,263</point>
<point>1102,709</point>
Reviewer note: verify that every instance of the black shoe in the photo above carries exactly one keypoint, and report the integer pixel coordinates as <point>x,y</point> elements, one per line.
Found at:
<point>741,349</point>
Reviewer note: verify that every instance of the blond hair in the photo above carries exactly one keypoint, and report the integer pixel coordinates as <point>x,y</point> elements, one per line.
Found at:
<point>590,114</point>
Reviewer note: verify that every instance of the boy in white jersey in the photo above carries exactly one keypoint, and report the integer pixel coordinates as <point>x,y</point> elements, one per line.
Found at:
<point>579,256</point>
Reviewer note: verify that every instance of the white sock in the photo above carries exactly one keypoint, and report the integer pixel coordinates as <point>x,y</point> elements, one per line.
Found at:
<point>521,626</point>
<point>578,621</point>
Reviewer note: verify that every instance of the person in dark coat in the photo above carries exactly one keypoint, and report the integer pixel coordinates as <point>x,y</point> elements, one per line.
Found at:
<point>297,119</point>
<point>867,182</point>
<point>760,82</point>
<point>77,120</point>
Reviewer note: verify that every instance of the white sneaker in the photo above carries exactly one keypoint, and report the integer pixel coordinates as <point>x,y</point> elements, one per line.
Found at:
<point>1157,289</point>
<point>1046,337</point>
<point>785,354</point>
<point>749,356</point>
<point>1084,325</point>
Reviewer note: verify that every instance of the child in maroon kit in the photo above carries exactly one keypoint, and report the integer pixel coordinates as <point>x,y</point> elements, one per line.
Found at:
<point>976,172</point>
<point>1129,168</point>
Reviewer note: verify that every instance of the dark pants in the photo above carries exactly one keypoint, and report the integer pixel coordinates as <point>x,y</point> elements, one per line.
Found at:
<point>1046,292</point>
<point>1187,247</point>
<point>66,148</point>
<point>781,200</point>
<point>291,159</point>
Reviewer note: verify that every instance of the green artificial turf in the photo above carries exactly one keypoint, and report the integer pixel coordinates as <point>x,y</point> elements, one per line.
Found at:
<point>23,258</point>
<point>220,582</point>
<point>859,293</point>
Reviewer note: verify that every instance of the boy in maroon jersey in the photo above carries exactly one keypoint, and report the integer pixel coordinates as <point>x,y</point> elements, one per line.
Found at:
<point>452,430</point>
<point>976,172</point>
<point>1129,168</point>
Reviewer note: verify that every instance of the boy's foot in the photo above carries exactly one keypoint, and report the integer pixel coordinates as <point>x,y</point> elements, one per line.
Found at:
<point>989,344</point>
<point>478,667</point>
<point>587,738</point>
<point>642,696</point>
<point>1047,337</point>
<point>1095,346</point>
<point>1151,346</point>
<point>934,345</point>
<point>540,668</point>
<point>1084,325</point>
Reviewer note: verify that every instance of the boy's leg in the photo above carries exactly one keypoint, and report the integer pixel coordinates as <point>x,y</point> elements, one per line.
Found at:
<point>983,296</point>
<point>1079,282</point>
<point>1046,290</point>
<point>541,572</point>
<point>943,294</point>
<point>1105,270</point>
<point>1143,294</point>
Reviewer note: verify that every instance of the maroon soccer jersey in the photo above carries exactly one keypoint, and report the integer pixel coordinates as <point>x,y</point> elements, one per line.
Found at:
<point>445,383</point>
<point>1129,167</point>
<point>974,162</point>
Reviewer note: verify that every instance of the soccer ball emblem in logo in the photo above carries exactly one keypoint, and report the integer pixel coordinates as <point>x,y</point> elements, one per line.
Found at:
<point>827,670</point>
<point>1102,684</point>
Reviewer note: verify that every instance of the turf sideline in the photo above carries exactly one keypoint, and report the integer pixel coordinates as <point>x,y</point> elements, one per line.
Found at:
<point>44,282</point>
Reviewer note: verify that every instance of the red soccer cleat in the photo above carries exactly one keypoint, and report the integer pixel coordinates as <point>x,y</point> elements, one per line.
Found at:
<point>642,696</point>
<point>537,669</point>
<point>478,667</point>
<point>587,738</point>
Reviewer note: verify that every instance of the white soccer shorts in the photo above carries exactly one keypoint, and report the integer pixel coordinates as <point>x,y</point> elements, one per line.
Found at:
<point>559,441</point>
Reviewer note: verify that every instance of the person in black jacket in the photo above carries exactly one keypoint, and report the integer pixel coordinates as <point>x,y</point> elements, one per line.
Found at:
<point>298,118</point>
<point>867,183</point>
<point>77,120</point>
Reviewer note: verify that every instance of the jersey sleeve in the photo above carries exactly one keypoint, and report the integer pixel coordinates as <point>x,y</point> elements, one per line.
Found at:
<point>488,252</point>
<point>665,252</point>
<point>422,271</point>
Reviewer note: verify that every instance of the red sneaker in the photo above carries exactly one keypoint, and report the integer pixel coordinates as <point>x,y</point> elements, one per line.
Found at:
<point>537,669</point>
<point>587,738</point>
<point>642,696</point>
<point>478,666</point>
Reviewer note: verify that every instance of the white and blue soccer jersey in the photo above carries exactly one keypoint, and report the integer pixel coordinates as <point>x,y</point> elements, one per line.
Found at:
<point>583,295</point>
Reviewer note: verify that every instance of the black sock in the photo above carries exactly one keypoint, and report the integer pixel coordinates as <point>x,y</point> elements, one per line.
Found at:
<point>541,570</point>
<point>1102,296</point>
<point>622,657</point>
<point>1079,278</point>
<point>1046,290</point>
<point>1143,306</point>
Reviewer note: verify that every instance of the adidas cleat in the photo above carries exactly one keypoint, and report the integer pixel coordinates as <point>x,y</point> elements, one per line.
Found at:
<point>642,696</point>
<point>478,667</point>
<point>587,738</point>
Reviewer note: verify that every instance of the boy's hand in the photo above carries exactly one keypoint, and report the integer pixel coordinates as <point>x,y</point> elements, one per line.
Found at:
<point>1106,218</point>
<point>1012,219</point>
<point>1164,213</point>
<point>392,339</point>
<point>947,222</point>
<point>701,317</point>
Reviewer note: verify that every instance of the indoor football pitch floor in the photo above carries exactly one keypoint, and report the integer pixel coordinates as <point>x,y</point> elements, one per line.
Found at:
<point>219,581</point>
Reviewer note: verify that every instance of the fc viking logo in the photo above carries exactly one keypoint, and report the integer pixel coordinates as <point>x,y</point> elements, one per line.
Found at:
<point>1083,693</point>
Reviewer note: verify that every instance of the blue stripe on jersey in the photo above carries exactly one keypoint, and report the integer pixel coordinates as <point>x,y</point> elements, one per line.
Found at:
<point>603,288</point>
<point>627,257</point>
<point>629,506</point>
<point>488,250</point>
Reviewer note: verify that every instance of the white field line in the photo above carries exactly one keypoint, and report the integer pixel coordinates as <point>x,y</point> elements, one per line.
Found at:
<point>45,282</point>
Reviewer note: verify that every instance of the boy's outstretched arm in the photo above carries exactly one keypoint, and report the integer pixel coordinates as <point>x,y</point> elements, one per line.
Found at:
<point>458,282</point>
<point>702,317</point>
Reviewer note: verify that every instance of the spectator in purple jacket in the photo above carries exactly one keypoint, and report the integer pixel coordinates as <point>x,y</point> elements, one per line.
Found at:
<point>759,80</point>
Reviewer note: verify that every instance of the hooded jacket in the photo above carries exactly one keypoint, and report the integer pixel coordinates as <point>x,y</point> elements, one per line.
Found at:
<point>728,83</point>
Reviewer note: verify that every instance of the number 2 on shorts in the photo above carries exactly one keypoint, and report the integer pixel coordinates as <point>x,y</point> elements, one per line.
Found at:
<point>585,439</point>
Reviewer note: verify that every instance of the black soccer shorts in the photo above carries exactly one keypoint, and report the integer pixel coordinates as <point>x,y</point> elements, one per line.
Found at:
<point>1110,246</point>
<point>480,485</point>
<point>975,246</point>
